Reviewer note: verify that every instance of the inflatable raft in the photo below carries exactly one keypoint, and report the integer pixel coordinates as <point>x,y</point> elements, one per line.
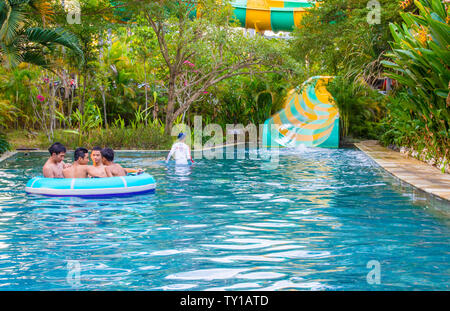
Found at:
<point>92,187</point>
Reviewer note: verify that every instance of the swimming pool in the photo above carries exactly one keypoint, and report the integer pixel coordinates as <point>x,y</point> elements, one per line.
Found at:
<point>314,223</point>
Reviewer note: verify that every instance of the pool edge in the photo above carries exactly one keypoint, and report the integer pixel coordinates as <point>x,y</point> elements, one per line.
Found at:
<point>7,155</point>
<point>414,172</point>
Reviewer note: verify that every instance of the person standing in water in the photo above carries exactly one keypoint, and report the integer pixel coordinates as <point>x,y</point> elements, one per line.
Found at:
<point>180,151</point>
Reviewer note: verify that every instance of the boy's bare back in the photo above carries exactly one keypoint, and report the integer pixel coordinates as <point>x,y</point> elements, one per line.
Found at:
<point>76,171</point>
<point>116,170</point>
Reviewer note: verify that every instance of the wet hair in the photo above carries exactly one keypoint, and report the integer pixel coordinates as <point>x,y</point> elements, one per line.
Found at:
<point>56,148</point>
<point>80,153</point>
<point>97,148</point>
<point>108,154</point>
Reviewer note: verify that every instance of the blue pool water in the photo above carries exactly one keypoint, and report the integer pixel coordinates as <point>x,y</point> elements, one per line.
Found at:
<point>314,223</point>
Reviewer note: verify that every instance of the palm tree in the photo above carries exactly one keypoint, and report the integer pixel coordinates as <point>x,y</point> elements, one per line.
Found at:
<point>22,40</point>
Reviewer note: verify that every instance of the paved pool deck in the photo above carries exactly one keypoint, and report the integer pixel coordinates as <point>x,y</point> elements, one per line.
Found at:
<point>416,173</point>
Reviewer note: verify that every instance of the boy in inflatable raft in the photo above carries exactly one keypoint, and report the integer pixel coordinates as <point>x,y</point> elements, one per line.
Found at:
<point>108,162</point>
<point>96,156</point>
<point>81,169</point>
<point>55,165</point>
<point>103,159</point>
<point>107,158</point>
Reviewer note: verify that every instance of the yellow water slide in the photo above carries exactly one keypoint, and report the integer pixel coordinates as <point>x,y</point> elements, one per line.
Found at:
<point>275,15</point>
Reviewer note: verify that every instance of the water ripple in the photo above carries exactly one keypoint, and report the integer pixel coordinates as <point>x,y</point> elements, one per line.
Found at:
<point>313,223</point>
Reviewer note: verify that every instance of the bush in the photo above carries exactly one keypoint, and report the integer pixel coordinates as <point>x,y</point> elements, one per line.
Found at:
<point>360,108</point>
<point>403,126</point>
<point>141,137</point>
<point>419,116</point>
<point>4,145</point>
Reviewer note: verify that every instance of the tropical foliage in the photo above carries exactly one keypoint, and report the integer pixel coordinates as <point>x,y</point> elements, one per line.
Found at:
<point>419,114</point>
<point>21,40</point>
<point>199,53</point>
<point>344,39</point>
<point>130,70</point>
<point>341,37</point>
<point>361,108</point>
<point>4,145</point>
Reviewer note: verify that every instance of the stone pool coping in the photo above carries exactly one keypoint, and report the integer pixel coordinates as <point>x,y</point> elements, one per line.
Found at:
<point>7,155</point>
<point>412,171</point>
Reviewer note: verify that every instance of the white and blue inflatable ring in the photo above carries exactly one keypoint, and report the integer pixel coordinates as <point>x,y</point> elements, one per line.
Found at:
<point>92,187</point>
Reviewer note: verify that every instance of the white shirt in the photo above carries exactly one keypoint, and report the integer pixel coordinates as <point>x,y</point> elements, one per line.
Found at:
<point>180,152</point>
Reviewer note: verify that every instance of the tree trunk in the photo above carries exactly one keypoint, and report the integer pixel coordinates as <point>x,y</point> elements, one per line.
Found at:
<point>104,106</point>
<point>69,112</point>
<point>155,110</point>
<point>170,105</point>
<point>169,117</point>
<point>146,91</point>
<point>52,108</point>
<point>83,96</point>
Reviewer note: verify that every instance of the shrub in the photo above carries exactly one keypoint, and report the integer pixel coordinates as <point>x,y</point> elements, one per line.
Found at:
<point>360,107</point>
<point>4,145</point>
<point>141,137</point>
<point>419,117</point>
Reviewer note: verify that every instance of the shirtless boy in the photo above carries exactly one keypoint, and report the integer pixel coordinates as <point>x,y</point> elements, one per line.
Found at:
<point>54,166</point>
<point>98,167</point>
<point>79,168</point>
<point>108,160</point>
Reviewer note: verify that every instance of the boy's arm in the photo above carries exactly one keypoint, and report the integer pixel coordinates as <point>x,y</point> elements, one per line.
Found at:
<point>48,172</point>
<point>65,173</point>
<point>190,154</point>
<point>112,170</point>
<point>91,171</point>
<point>172,150</point>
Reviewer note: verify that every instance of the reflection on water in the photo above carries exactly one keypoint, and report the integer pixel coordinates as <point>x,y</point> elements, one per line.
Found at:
<point>311,224</point>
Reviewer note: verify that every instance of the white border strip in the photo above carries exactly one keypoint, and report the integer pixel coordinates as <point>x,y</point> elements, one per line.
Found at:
<point>96,191</point>
<point>124,181</point>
